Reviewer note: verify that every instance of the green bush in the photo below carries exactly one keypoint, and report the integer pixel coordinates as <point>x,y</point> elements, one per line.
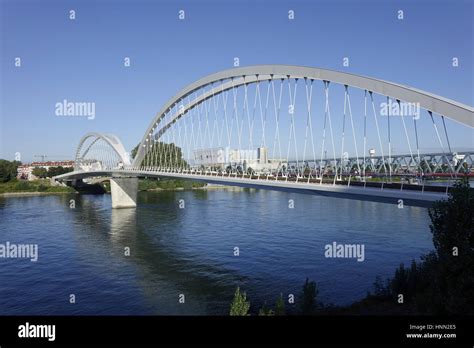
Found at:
<point>308,298</point>
<point>240,306</point>
<point>22,186</point>
<point>60,189</point>
<point>42,188</point>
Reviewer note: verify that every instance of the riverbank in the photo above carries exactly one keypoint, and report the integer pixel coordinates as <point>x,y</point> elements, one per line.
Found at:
<point>21,188</point>
<point>17,188</point>
<point>25,194</point>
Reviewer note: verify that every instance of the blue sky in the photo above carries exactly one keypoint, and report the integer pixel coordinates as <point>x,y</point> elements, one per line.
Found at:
<point>83,59</point>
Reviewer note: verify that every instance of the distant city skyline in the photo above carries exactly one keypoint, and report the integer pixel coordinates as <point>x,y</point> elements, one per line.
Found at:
<point>82,60</point>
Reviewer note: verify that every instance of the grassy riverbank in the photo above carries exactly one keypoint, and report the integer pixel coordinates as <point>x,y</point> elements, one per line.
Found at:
<point>29,187</point>
<point>165,184</point>
<point>43,186</point>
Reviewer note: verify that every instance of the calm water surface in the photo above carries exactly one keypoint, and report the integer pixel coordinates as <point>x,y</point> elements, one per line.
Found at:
<point>190,251</point>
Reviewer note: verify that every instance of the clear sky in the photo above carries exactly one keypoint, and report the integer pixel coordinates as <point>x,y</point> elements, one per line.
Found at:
<point>82,60</point>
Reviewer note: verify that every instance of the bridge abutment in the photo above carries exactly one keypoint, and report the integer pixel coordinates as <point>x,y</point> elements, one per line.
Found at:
<point>124,192</point>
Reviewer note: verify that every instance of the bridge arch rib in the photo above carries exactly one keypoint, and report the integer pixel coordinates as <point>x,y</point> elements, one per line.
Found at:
<point>91,139</point>
<point>235,77</point>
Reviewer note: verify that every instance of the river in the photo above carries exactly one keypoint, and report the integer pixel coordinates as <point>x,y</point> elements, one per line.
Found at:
<point>183,242</point>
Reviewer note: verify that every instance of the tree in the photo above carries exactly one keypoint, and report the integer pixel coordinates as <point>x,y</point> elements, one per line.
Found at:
<point>308,298</point>
<point>452,226</point>
<point>280,306</point>
<point>452,222</point>
<point>40,172</point>
<point>240,306</point>
<point>53,171</point>
<point>266,311</point>
<point>134,151</point>
<point>8,170</point>
<point>162,155</point>
<point>23,186</point>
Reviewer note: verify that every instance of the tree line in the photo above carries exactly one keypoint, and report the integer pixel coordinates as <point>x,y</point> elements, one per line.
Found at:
<point>42,173</point>
<point>8,171</point>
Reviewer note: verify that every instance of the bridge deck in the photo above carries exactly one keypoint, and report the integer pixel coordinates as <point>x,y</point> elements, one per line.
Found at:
<point>381,194</point>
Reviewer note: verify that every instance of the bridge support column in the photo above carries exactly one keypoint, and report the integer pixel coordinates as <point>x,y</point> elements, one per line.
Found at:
<point>124,192</point>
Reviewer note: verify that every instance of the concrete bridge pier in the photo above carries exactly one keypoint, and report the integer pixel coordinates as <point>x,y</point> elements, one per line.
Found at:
<point>124,192</point>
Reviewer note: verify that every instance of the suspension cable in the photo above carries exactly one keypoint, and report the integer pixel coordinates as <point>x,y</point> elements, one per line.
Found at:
<point>353,133</point>
<point>406,133</point>
<point>389,141</point>
<point>341,164</point>
<point>440,142</point>
<point>365,130</point>
<point>378,131</point>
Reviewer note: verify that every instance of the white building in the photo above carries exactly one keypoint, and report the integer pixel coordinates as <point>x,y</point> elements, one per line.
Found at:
<point>223,157</point>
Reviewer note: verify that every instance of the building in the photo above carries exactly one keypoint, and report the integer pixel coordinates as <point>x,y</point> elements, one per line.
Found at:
<point>221,158</point>
<point>215,157</point>
<point>262,155</point>
<point>25,171</point>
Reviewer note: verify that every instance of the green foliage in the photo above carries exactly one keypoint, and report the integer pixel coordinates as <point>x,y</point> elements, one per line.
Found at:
<point>57,189</point>
<point>280,306</point>
<point>308,298</point>
<point>22,186</point>
<point>452,222</point>
<point>266,311</point>
<point>404,281</point>
<point>443,282</point>
<point>8,170</point>
<point>32,186</point>
<point>240,306</point>
<point>196,184</point>
<point>147,184</point>
<point>167,184</point>
<point>134,151</point>
<point>42,188</point>
<point>163,155</point>
<point>54,171</point>
<point>452,226</point>
<point>40,172</point>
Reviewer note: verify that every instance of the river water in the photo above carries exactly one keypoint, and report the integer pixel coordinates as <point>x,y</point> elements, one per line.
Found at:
<point>183,242</point>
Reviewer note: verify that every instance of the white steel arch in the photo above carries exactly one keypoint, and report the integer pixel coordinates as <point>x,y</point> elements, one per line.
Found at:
<point>235,77</point>
<point>112,140</point>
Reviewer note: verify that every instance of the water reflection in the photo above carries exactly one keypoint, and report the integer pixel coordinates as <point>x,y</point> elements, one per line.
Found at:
<point>190,250</point>
<point>164,271</point>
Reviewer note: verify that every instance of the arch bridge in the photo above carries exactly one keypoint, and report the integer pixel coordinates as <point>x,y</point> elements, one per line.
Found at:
<point>295,128</point>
